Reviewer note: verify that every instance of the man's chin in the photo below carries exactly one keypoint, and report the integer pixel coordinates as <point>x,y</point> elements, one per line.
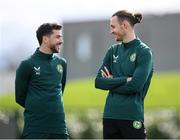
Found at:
<point>118,39</point>
<point>57,50</point>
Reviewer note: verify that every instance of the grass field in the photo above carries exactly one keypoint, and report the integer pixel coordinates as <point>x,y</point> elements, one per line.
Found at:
<point>164,92</point>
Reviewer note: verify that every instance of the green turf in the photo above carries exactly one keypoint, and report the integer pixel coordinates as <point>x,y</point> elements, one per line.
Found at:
<point>7,101</point>
<point>164,92</point>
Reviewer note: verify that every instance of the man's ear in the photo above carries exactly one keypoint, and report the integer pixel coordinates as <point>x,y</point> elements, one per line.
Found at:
<point>126,24</point>
<point>45,39</point>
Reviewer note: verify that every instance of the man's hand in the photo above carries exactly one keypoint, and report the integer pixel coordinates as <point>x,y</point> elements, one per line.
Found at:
<point>105,73</point>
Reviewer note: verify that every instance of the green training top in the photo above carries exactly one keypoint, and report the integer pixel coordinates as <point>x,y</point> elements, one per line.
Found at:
<point>125,100</point>
<point>39,85</point>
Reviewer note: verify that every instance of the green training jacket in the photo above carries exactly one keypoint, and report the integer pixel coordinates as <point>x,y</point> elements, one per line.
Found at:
<point>39,85</point>
<point>125,100</point>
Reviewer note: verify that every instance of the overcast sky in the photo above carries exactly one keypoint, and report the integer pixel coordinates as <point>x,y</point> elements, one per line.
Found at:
<point>19,19</point>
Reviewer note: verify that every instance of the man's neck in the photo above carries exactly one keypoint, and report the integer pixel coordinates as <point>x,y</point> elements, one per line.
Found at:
<point>45,49</point>
<point>129,37</point>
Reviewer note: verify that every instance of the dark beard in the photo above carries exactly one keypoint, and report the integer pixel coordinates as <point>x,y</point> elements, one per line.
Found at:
<point>118,39</point>
<point>53,49</point>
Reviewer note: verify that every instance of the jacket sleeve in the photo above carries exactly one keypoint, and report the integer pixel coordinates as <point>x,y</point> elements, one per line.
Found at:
<point>64,75</point>
<point>23,74</point>
<point>107,83</point>
<point>140,76</point>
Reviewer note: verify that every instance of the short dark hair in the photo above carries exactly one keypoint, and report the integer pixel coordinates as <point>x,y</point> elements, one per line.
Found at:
<point>132,18</point>
<point>46,29</point>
